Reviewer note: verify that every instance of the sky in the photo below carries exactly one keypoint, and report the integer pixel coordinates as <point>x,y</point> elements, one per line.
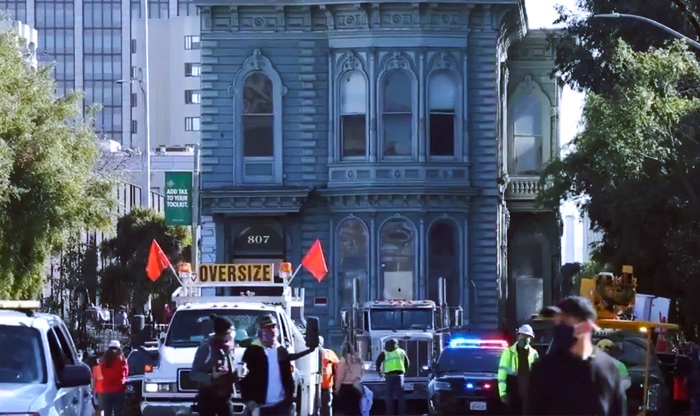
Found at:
<point>542,14</point>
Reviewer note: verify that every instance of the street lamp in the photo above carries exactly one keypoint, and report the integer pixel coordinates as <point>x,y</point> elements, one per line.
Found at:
<point>647,20</point>
<point>144,79</point>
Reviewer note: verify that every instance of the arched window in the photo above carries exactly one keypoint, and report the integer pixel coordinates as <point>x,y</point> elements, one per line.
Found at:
<point>397,256</point>
<point>527,135</point>
<point>353,115</point>
<point>442,105</point>
<point>397,114</point>
<point>443,261</point>
<point>258,117</point>
<point>352,245</point>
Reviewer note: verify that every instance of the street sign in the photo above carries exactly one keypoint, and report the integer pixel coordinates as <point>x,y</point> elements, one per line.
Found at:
<point>178,198</point>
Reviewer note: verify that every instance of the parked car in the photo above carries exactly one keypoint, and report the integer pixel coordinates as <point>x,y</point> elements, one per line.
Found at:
<point>141,360</point>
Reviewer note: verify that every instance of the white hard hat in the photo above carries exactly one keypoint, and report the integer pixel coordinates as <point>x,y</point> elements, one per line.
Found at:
<point>526,330</point>
<point>115,344</point>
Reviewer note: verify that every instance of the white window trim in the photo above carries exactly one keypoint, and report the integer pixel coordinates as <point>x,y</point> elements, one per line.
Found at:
<point>530,87</point>
<point>397,62</point>
<point>350,63</point>
<point>445,63</point>
<point>257,62</point>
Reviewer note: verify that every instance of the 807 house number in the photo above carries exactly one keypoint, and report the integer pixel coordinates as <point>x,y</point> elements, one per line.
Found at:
<point>258,239</point>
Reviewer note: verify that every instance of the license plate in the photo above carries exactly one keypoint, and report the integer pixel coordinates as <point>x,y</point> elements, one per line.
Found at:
<point>477,406</point>
<point>408,386</point>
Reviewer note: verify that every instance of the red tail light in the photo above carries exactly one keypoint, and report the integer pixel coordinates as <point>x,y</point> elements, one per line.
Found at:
<point>487,386</point>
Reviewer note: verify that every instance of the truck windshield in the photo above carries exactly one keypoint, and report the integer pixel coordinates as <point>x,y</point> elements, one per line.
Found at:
<point>189,327</point>
<point>21,356</point>
<point>386,319</point>
<point>468,360</point>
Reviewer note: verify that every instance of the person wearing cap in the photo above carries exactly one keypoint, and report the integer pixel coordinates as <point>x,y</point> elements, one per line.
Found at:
<point>393,363</point>
<point>329,372</point>
<point>269,384</point>
<point>213,369</point>
<point>514,371</point>
<point>610,347</point>
<point>574,377</point>
<point>114,370</point>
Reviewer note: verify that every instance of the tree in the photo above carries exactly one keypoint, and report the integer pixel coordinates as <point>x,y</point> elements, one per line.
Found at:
<point>634,169</point>
<point>48,187</point>
<point>584,51</point>
<point>124,282</point>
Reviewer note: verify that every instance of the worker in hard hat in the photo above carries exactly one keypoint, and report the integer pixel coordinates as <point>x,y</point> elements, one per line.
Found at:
<point>514,371</point>
<point>612,349</point>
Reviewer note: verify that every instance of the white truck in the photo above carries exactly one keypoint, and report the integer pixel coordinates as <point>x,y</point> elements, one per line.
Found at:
<point>242,293</point>
<point>420,327</point>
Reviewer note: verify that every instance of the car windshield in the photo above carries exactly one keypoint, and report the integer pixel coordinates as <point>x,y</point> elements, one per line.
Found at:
<point>21,356</point>
<point>138,359</point>
<point>188,328</point>
<point>468,360</point>
<point>385,319</point>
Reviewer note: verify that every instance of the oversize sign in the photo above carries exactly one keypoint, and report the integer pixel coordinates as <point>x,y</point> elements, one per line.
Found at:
<point>178,198</point>
<point>236,274</point>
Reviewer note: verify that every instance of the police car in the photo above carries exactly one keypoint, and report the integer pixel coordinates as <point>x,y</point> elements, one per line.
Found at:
<point>464,378</point>
<point>40,371</point>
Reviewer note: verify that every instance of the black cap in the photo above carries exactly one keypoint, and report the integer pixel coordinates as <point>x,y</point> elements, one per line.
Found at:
<point>579,307</point>
<point>221,325</point>
<point>267,321</point>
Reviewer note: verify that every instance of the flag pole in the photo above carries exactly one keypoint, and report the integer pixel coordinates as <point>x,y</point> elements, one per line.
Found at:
<point>177,276</point>
<point>294,274</point>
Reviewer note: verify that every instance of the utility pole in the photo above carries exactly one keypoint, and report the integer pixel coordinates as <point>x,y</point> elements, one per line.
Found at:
<point>146,151</point>
<point>195,210</point>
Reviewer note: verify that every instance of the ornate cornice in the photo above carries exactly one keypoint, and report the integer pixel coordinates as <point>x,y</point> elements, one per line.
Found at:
<point>376,199</point>
<point>258,201</point>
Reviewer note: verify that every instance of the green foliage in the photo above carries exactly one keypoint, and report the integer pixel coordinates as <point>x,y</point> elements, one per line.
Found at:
<point>48,188</point>
<point>634,169</point>
<point>586,48</point>
<point>124,282</point>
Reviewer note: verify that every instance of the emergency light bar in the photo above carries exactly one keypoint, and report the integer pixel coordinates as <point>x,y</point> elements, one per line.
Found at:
<point>20,304</point>
<point>495,344</point>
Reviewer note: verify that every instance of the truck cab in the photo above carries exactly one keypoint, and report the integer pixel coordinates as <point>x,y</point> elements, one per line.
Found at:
<point>168,388</point>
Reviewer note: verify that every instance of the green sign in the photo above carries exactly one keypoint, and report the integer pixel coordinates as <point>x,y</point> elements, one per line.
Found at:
<point>178,198</point>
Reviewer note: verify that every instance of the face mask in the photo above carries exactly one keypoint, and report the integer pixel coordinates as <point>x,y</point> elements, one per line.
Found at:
<point>523,342</point>
<point>563,337</point>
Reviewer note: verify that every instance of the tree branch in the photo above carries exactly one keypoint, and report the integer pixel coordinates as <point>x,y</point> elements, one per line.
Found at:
<point>689,15</point>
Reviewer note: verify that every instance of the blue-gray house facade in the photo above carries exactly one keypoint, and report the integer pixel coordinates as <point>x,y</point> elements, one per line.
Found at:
<point>382,129</point>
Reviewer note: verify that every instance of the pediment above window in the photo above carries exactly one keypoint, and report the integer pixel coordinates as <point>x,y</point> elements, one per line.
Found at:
<point>350,62</point>
<point>260,201</point>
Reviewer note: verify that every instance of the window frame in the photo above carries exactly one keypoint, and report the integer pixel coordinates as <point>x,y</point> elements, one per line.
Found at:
<point>348,64</point>
<point>416,252</point>
<point>191,44</point>
<point>189,97</point>
<point>190,124</point>
<point>193,70</point>
<point>397,62</point>
<point>529,87</point>
<point>257,62</point>
<point>444,64</point>
<point>368,260</point>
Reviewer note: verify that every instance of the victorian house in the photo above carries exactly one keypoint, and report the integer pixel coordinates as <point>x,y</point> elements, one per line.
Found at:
<point>408,137</point>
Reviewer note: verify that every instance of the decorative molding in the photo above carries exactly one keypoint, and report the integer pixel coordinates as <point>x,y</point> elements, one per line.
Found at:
<point>444,61</point>
<point>378,199</point>
<point>523,188</point>
<point>205,16</point>
<point>254,201</point>
<point>349,61</point>
<point>345,175</point>
<point>330,21</point>
<point>398,61</point>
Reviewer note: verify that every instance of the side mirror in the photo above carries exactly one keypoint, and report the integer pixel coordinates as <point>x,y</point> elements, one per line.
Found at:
<point>312,332</point>
<point>75,376</point>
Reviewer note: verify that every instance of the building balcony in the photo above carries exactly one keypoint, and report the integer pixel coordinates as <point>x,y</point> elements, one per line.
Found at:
<point>523,188</point>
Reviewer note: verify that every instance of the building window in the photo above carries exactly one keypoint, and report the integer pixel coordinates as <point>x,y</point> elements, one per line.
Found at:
<point>353,115</point>
<point>528,262</point>
<point>193,97</point>
<point>353,255</point>
<point>258,116</point>
<point>192,124</point>
<point>397,259</point>
<point>397,114</point>
<point>134,100</point>
<point>192,70</point>
<point>442,104</point>
<point>134,127</point>
<point>443,261</point>
<point>133,46</point>
<point>192,42</point>
<point>527,135</point>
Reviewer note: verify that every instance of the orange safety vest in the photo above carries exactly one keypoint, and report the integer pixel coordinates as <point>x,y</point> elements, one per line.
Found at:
<point>97,379</point>
<point>329,359</point>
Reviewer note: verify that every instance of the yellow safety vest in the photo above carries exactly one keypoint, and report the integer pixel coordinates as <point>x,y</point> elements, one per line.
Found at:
<point>394,361</point>
<point>508,366</point>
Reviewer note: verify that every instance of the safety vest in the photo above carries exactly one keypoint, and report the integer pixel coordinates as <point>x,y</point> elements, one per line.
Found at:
<point>623,369</point>
<point>394,361</point>
<point>508,365</point>
<point>329,360</point>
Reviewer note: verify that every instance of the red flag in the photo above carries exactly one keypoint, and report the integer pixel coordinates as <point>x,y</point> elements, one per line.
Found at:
<point>315,262</point>
<point>157,262</point>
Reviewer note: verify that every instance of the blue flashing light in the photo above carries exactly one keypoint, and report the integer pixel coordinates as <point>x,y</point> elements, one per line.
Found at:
<point>477,343</point>
<point>470,386</point>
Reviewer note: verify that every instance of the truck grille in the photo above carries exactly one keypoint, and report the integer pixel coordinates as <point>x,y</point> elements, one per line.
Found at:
<point>184,382</point>
<point>419,353</point>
